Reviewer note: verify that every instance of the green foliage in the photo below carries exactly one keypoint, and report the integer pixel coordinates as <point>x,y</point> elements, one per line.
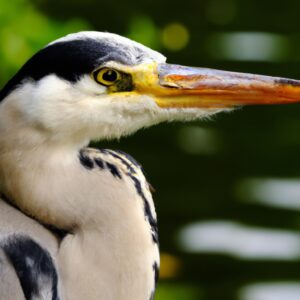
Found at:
<point>177,292</point>
<point>24,30</point>
<point>143,30</point>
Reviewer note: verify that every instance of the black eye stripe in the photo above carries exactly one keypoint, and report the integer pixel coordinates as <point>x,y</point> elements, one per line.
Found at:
<point>71,59</point>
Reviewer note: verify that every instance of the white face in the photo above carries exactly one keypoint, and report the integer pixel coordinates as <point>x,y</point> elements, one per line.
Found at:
<point>88,110</point>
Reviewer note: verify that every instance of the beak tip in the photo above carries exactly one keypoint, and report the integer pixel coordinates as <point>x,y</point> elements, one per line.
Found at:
<point>286,81</point>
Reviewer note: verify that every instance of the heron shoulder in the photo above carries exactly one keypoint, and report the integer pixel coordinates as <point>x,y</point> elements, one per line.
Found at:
<point>121,165</point>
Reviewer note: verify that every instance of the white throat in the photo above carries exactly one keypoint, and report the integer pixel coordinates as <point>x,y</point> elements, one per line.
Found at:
<point>110,237</point>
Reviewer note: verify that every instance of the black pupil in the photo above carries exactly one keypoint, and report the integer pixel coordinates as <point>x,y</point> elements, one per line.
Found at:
<point>110,75</point>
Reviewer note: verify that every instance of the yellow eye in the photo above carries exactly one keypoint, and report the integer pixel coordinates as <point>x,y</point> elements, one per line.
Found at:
<point>107,76</point>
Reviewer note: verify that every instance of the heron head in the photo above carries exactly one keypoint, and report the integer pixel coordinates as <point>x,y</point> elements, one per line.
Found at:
<point>92,85</point>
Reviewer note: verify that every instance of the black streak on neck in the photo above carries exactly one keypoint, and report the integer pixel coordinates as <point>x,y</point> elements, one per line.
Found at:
<point>147,210</point>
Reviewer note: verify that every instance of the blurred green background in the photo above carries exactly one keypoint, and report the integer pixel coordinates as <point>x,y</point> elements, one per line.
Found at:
<point>228,189</point>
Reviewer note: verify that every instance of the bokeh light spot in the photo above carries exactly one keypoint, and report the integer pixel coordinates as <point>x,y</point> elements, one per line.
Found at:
<point>271,291</point>
<point>274,192</point>
<point>143,30</point>
<point>196,140</point>
<point>238,240</point>
<point>175,36</point>
<point>170,265</point>
<point>248,46</point>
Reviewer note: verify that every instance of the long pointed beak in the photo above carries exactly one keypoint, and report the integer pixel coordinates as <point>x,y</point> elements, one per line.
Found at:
<point>179,86</point>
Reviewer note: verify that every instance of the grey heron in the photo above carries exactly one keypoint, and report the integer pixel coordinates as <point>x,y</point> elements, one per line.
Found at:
<point>77,222</point>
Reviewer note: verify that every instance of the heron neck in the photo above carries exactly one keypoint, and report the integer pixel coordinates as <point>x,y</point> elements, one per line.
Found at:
<point>110,238</point>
